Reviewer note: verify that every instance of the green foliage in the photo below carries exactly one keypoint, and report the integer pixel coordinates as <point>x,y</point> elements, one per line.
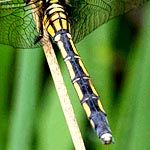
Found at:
<point>30,113</point>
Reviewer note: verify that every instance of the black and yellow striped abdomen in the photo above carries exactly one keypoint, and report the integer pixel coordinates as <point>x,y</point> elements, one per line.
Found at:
<point>57,25</point>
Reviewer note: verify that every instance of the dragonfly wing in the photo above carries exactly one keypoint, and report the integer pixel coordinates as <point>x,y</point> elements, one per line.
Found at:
<point>87,15</point>
<point>17,26</point>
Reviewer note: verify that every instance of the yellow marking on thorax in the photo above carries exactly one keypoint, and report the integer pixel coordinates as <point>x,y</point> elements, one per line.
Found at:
<point>51,31</point>
<point>46,21</point>
<point>54,1</point>
<point>57,9</point>
<point>78,89</point>
<point>62,15</point>
<point>64,24</point>
<point>48,26</point>
<point>54,17</point>
<point>57,25</point>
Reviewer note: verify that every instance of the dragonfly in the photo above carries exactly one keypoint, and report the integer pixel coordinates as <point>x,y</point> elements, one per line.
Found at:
<point>66,22</point>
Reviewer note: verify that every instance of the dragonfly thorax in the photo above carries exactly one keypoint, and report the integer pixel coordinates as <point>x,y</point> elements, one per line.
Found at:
<point>56,20</point>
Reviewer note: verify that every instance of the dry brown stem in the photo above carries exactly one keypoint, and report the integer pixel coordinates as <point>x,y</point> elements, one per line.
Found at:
<point>61,90</point>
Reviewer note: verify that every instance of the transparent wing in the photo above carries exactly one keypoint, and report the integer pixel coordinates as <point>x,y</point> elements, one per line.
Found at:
<point>17,26</point>
<point>87,15</point>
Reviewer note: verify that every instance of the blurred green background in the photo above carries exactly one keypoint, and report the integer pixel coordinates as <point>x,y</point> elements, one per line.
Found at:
<point>118,59</point>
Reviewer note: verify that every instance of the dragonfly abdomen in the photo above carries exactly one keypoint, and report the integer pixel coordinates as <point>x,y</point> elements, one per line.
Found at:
<point>57,24</point>
<point>84,87</point>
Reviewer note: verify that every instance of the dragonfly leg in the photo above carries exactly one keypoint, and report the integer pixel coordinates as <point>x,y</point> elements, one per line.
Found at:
<point>38,20</point>
<point>37,39</point>
<point>27,1</point>
<point>39,26</point>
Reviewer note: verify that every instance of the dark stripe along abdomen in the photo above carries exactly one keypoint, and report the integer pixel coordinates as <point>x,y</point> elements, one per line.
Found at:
<point>57,25</point>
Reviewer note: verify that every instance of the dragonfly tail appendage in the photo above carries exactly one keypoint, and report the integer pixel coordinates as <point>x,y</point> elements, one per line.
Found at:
<point>58,26</point>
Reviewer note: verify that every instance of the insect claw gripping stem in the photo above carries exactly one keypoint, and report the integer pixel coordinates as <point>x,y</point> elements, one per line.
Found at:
<point>37,39</point>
